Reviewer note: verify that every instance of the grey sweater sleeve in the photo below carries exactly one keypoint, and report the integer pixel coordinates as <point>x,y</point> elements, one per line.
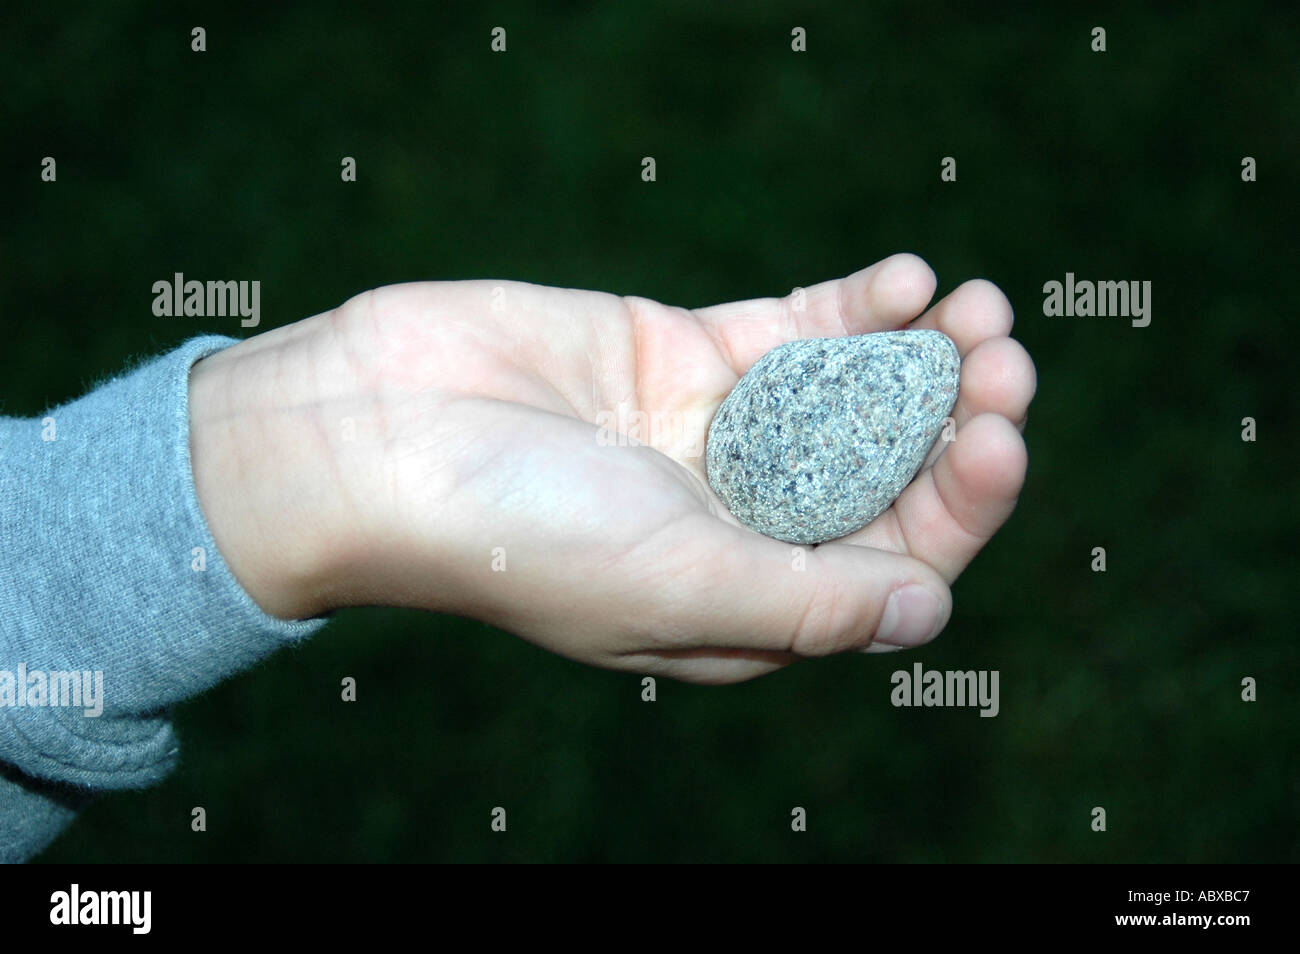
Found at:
<point>114,602</point>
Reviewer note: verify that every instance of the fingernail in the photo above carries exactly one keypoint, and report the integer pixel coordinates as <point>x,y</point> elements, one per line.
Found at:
<point>911,617</point>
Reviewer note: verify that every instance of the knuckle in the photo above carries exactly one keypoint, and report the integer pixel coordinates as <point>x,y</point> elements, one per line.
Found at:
<point>828,623</point>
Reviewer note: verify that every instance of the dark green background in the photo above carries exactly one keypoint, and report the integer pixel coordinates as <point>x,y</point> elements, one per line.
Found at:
<point>1119,689</point>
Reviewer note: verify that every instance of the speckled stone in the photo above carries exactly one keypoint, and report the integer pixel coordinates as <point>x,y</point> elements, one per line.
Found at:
<point>821,435</point>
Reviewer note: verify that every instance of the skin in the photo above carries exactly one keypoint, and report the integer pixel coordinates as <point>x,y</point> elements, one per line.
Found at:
<point>377,454</point>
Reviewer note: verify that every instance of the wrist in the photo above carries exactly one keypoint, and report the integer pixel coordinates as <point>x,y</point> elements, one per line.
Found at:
<point>261,459</point>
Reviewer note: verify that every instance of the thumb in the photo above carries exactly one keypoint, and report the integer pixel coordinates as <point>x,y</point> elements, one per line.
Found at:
<point>737,589</point>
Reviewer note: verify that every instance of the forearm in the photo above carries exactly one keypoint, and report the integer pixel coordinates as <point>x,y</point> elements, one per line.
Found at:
<point>107,568</point>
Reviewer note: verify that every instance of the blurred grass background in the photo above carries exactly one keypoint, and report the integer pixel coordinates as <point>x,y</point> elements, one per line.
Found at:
<point>1119,689</point>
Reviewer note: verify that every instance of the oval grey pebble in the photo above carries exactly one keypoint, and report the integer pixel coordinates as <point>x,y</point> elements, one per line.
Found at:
<point>822,434</point>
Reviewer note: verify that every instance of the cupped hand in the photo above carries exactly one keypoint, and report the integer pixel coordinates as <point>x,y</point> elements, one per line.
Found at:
<point>534,457</point>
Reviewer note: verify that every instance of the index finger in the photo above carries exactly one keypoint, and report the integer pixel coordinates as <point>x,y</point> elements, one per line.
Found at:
<point>882,297</point>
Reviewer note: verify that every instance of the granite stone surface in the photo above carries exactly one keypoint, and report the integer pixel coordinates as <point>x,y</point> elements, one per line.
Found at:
<point>821,435</point>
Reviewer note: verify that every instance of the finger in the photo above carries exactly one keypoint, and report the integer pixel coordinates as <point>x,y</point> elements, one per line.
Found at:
<point>731,587</point>
<point>950,511</point>
<point>882,297</point>
<point>997,377</point>
<point>972,313</point>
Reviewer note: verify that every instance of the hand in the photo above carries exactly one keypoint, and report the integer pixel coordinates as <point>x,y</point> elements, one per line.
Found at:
<point>395,450</point>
